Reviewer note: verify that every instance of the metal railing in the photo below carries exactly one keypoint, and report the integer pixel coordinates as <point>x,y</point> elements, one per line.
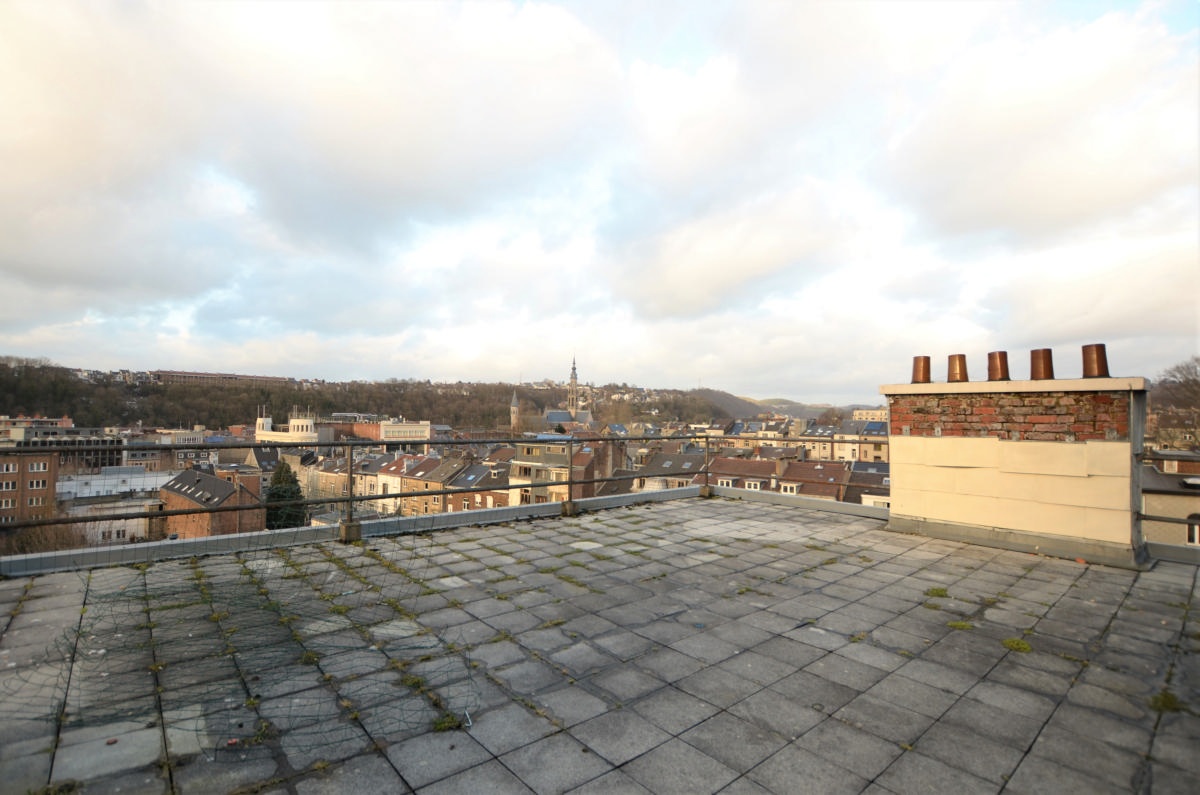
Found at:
<point>130,498</point>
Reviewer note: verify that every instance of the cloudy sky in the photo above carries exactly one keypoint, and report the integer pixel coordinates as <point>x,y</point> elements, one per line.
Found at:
<point>780,199</point>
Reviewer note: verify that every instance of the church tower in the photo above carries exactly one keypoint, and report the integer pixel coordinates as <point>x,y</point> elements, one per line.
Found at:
<point>573,392</point>
<point>514,413</point>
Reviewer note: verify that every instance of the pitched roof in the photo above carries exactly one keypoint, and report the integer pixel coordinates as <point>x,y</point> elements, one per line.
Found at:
<point>470,477</point>
<point>611,487</point>
<point>740,467</point>
<point>816,472</point>
<point>201,488</point>
<point>672,464</point>
<point>424,467</point>
<point>400,466</point>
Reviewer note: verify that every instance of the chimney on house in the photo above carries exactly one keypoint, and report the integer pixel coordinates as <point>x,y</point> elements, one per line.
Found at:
<point>1044,465</point>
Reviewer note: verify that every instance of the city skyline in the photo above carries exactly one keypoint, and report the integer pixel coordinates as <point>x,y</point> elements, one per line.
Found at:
<point>775,200</point>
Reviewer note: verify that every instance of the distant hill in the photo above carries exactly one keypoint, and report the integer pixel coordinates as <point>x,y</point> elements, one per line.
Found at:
<point>800,411</point>
<point>730,405</point>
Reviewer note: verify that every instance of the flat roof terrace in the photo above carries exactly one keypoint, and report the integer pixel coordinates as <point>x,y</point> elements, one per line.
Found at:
<point>695,645</point>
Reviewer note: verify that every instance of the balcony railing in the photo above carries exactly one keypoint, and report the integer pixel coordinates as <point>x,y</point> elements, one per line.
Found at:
<point>130,502</point>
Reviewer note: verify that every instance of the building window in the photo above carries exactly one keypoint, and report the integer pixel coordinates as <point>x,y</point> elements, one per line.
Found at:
<point>789,488</point>
<point>37,484</point>
<point>39,466</point>
<point>725,482</point>
<point>1193,529</point>
<point>753,485</point>
<point>7,502</point>
<point>8,467</point>
<point>36,501</point>
<point>8,485</point>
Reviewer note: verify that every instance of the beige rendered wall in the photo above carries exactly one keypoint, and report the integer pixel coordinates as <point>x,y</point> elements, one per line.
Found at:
<point>1079,490</point>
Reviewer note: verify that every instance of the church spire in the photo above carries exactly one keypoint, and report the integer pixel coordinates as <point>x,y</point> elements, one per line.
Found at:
<point>573,391</point>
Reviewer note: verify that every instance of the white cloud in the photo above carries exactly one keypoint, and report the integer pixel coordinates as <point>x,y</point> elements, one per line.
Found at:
<point>778,199</point>
<point>1034,135</point>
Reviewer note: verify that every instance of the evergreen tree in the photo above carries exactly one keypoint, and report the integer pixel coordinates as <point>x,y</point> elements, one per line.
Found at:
<point>284,488</point>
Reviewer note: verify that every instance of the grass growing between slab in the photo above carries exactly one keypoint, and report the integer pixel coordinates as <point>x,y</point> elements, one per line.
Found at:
<point>1017,644</point>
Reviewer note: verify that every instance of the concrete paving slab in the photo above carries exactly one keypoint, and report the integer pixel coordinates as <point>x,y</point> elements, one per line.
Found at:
<point>859,751</point>
<point>915,772</point>
<point>1034,771</point>
<point>434,756</point>
<point>626,684</point>
<point>618,782</point>
<point>619,736</point>
<point>703,669</point>
<point>366,773</point>
<point>571,705</point>
<point>490,777</point>
<point>677,768</point>
<point>884,719</point>
<point>554,764</point>
<point>971,752</point>
<point>99,757</point>
<point>738,744</point>
<point>511,726</point>
<point>717,687</point>
<point>797,770</point>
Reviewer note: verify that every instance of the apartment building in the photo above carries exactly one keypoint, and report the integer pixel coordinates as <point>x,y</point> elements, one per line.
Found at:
<point>28,484</point>
<point>228,488</point>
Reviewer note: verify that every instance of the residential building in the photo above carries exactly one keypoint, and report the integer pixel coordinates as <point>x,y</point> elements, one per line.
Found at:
<point>28,486</point>
<point>390,479</point>
<point>301,429</point>
<point>432,474</point>
<point>824,480</point>
<point>669,471</point>
<point>228,488</point>
<point>741,473</point>
<point>816,441</point>
<point>860,440</point>
<point>90,448</point>
<point>7,424</point>
<point>1173,496</point>
<point>491,478</point>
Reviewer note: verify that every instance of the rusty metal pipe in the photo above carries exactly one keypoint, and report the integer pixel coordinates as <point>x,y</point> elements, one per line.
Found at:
<point>1095,361</point>
<point>1041,364</point>
<point>920,373</point>
<point>956,368</point>
<point>998,366</point>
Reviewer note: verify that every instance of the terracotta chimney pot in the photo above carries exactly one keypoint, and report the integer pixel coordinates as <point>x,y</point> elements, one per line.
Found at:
<point>1041,364</point>
<point>956,371</point>
<point>998,366</point>
<point>1095,361</point>
<point>920,373</point>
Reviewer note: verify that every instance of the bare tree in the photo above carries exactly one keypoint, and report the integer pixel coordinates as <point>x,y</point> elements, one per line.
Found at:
<point>1179,386</point>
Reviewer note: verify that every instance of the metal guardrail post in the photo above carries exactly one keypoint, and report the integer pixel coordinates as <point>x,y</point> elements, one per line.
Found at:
<point>350,530</point>
<point>706,491</point>
<point>569,505</point>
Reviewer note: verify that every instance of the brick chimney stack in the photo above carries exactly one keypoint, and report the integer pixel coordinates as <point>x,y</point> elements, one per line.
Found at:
<point>1044,465</point>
